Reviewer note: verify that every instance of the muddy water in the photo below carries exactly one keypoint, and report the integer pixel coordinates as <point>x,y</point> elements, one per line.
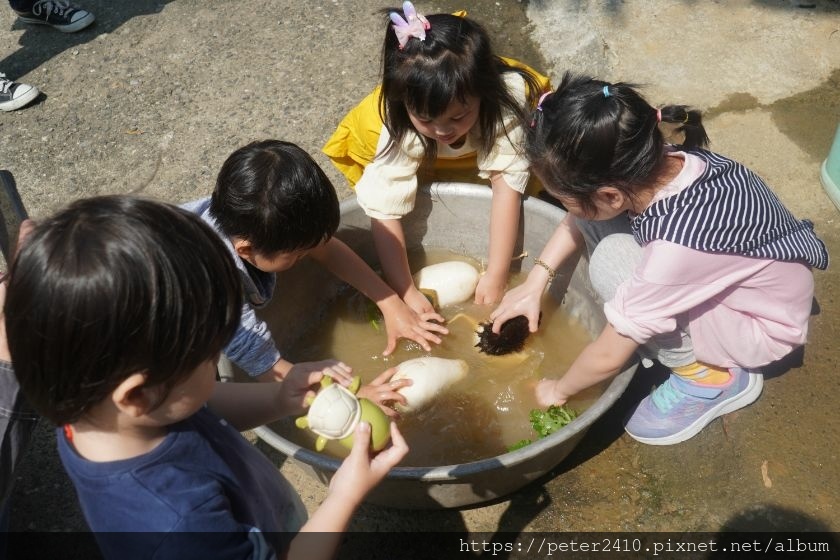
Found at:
<point>478,417</point>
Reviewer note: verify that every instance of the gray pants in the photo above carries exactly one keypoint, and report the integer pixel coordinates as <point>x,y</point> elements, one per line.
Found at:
<point>613,256</point>
<point>17,420</point>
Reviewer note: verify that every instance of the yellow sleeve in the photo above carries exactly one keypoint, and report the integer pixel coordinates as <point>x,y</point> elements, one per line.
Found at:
<point>352,146</point>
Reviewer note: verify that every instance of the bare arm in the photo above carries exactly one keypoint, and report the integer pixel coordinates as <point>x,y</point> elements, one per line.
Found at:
<point>342,261</point>
<point>390,245</point>
<point>248,405</point>
<point>277,372</point>
<point>504,227</point>
<point>601,359</point>
<point>400,319</point>
<point>566,243</point>
<point>358,474</point>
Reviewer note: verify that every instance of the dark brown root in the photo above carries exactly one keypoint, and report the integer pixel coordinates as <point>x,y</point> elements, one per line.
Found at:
<point>511,337</point>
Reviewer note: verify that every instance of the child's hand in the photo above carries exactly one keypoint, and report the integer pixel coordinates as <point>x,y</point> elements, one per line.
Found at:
<point>299,384</point>
<point>360,472</point>
<point>421,305</point>
<point>521,300</point>
<point>401,321</point>
<point>339,371</point>
<point>384,393</point>
<point>490,289</point>
<point>549,392</point>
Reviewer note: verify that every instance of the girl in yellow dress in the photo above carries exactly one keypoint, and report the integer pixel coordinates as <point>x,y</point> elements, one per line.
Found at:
<point>445,101</point>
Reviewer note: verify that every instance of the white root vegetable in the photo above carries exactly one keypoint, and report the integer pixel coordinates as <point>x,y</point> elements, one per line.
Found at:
<point>452,281</point>
<point>430,376</point>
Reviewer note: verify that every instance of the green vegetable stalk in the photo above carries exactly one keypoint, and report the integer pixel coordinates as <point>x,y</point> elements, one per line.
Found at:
<point>374,315</point>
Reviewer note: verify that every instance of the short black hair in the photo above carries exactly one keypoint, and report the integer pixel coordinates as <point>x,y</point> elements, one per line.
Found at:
<point>273,194</point>
<point>111,286</point>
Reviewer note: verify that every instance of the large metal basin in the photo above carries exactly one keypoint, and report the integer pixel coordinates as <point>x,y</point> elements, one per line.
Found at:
<point>453,216</point>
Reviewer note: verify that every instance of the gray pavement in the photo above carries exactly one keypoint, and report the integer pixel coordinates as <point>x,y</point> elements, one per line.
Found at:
<point>156,94</point>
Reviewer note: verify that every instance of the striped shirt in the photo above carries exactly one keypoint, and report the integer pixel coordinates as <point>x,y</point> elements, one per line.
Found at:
<point>729,209</point>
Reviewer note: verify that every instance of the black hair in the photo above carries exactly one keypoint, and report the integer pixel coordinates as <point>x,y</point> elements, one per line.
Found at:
<point>454,61</point>
<point>273,194</point>
<point>112,286</point>
<point>589,134</point>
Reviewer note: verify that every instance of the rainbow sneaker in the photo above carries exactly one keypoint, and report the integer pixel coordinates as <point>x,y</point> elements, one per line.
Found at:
<point>678,409</point>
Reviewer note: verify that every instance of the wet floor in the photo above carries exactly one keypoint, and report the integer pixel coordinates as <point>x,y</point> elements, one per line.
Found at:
<point>771,466</point>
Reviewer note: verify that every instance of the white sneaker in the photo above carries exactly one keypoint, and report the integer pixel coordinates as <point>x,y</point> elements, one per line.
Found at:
<point>14,95</point>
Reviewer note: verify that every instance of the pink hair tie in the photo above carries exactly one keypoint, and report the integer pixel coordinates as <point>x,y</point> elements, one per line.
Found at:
<point>539,108</point>
<point>415,26</point>
<point>659,115</point>
<point>542,98</point>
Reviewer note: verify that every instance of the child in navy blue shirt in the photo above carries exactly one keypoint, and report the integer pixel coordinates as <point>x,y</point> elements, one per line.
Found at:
<point>117,310</point>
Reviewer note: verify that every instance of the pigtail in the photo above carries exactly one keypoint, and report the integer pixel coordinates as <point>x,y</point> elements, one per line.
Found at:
<point>690,123</point>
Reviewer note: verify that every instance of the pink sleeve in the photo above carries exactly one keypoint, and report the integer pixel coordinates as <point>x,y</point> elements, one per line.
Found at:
<point>672,280</point>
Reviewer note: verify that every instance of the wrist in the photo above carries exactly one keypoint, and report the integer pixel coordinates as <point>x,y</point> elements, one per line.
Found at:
<point>496,272</point>
<point>278,371</point>
<point>389,302</point>
<point>546,270</point>
<point>348,499</point>
<point>538,279</point>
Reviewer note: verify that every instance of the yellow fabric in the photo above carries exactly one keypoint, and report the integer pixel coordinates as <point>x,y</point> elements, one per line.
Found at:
<point>702,373</point>
<point>352,146</point>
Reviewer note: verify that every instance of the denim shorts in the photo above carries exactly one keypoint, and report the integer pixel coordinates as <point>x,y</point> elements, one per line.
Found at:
<point>17,420</point>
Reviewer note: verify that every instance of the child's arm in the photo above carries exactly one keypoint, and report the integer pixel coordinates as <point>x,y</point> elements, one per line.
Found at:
<point>566,243</point>
<point>400,320</point>
<point>504,227</point>
<point>390,246</point>
<point>248,405</point>
<point>600,360</point>
<point>358,475</point>
<point>281,369</point>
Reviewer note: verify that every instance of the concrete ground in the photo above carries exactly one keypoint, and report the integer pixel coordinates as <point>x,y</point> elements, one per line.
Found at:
<point>157,93</point>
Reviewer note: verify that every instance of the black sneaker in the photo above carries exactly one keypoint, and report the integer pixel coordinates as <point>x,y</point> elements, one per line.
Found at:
<point>60,14</point>
<point>14,95</point>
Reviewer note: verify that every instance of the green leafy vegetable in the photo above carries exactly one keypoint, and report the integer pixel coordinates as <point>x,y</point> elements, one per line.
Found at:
<point>552,419</point>
<point>546,422</point>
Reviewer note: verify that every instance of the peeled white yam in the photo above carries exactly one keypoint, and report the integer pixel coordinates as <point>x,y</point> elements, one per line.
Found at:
<point>454,281</point>
<point>430,376</point>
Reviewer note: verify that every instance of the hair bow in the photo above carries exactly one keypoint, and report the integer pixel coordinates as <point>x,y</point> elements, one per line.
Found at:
<point>416,25</point>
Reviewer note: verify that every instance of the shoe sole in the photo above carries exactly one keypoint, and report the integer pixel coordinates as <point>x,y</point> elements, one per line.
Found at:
<point>69,28</point>
<point>742,399</point>
<point>21,101</point>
